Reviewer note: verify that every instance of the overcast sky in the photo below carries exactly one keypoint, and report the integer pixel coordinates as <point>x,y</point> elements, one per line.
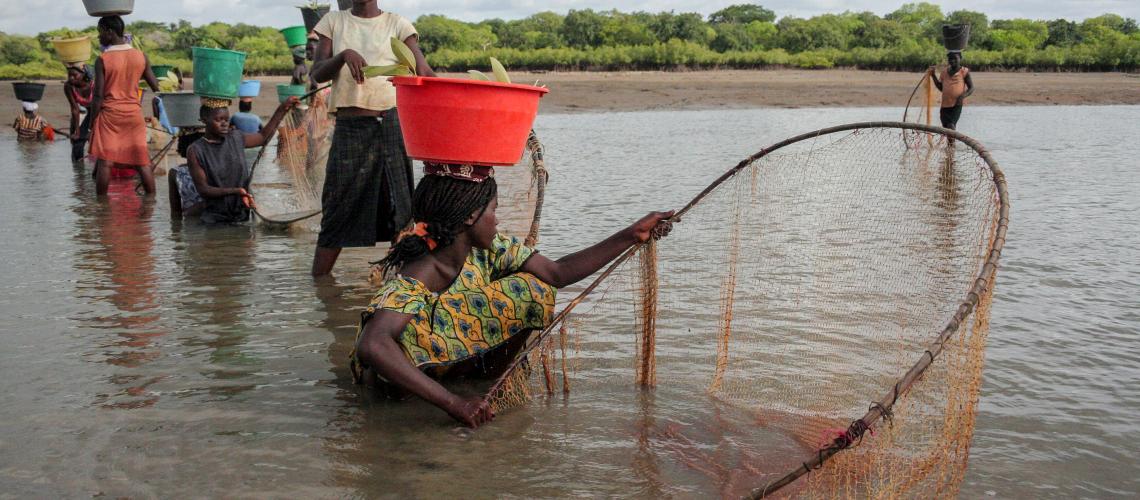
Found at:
<point>33,16</point>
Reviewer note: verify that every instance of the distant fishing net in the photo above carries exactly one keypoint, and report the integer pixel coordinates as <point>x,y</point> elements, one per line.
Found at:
<point>294,189</point>
<point>922,108</point>
<point>829,295</point>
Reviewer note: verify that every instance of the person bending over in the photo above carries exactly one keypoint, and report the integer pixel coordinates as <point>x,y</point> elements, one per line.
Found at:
<point>466,297</point>
<point>80,91</point>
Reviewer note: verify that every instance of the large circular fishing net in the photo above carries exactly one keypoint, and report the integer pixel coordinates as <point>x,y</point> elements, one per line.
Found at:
<point>830,295</point>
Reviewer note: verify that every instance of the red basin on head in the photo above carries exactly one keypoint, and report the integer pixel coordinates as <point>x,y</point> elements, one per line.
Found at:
<point>447,120</point>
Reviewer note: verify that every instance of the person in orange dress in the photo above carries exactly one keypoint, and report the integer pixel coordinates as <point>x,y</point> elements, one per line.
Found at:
<point>956,85</point>
<point>118,136</point>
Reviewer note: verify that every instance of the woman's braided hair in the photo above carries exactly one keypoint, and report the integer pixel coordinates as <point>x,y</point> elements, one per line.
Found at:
<point>443,204</point>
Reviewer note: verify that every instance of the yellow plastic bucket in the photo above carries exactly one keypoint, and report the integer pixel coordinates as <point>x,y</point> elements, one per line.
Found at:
<point>73,50</point>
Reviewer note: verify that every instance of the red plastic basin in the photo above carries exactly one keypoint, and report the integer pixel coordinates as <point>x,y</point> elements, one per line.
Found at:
<point>447,120</point>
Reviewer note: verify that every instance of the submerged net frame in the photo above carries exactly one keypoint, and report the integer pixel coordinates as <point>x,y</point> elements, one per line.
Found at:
<point>962,335</point>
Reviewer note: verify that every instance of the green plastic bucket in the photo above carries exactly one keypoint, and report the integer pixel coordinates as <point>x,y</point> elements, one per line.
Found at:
<point>295,35</point>
<point>161,70</point>
<point>217,72</point>
<point>285,91</point>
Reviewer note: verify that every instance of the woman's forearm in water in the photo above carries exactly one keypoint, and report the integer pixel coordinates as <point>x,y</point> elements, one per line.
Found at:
<point>73,120</point>
<point>380,351</point>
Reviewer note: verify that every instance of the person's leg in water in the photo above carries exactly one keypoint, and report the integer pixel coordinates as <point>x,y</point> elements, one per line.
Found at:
<point>102,176</point>
<point>950,116</point>
<point>323,261</point>
<point>146,175</point>
<point>175,198</point>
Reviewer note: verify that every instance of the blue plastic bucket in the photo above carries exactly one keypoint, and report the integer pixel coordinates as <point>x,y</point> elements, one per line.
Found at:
<point>249,88</point>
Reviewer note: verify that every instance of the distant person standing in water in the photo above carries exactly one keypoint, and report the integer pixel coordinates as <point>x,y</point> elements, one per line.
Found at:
<point>367,194</point>
<point>300,69</point>
<point>244,120</point>
<point>956,85</point>
<point>118,135</point>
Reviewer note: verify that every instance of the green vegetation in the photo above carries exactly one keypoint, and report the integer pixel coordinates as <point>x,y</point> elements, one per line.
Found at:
<point>739,36</point>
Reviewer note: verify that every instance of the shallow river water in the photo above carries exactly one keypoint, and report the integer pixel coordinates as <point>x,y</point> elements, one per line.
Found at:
<point>149,358</point>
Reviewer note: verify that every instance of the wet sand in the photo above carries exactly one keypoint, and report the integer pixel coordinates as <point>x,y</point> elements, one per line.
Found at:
<point>575,92</point>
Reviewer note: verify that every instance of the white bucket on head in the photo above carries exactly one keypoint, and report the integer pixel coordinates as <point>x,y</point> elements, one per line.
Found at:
<point>100,8</point>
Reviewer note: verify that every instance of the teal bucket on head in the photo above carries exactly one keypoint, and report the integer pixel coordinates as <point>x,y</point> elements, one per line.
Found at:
<point>295,35</point>
<point>285,91</point>
<point>249,88</point>
<point>217,72</point>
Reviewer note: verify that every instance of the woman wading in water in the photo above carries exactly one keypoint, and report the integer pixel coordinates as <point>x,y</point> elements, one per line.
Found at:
<point>119,132</point>
<point>368,182</point>
<point>466,297</point>
<point>80,91</point>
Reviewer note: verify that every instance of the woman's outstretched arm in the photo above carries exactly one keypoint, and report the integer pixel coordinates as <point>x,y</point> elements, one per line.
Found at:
<point>263,136</point>
<point>581,264</point>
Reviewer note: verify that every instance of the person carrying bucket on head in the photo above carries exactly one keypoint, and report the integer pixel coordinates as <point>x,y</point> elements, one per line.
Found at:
<point>311,53</point>
<point>956,85</point>
<point>30,126</point>
<point>244,120</point>
<point>464,298</point>
<point>954,81</point>
<point>300,69</point>
<point>118,136</point>
<point>368,183</point>
<point>79,90</point>
<point>217,168</point>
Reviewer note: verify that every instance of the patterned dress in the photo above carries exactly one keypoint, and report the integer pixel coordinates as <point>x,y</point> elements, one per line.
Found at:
<point>29,129</point>
<point>490,302</point>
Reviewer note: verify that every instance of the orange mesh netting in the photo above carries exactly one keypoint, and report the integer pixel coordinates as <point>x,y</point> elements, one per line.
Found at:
<point>830,295</point>
<point>920,108</point>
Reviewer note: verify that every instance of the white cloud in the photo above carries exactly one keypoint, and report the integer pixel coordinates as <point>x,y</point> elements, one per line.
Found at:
<point>34,16</point>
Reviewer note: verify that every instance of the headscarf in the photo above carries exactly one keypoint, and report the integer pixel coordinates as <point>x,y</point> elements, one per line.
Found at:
<point>30,107</point>
<point>470,173</point>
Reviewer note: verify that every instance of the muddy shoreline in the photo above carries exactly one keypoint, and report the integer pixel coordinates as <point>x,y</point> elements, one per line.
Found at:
<point>588,92</point>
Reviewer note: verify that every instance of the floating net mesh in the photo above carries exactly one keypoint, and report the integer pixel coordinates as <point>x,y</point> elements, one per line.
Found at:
<point>830,295</point>
<point>291,193</point>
